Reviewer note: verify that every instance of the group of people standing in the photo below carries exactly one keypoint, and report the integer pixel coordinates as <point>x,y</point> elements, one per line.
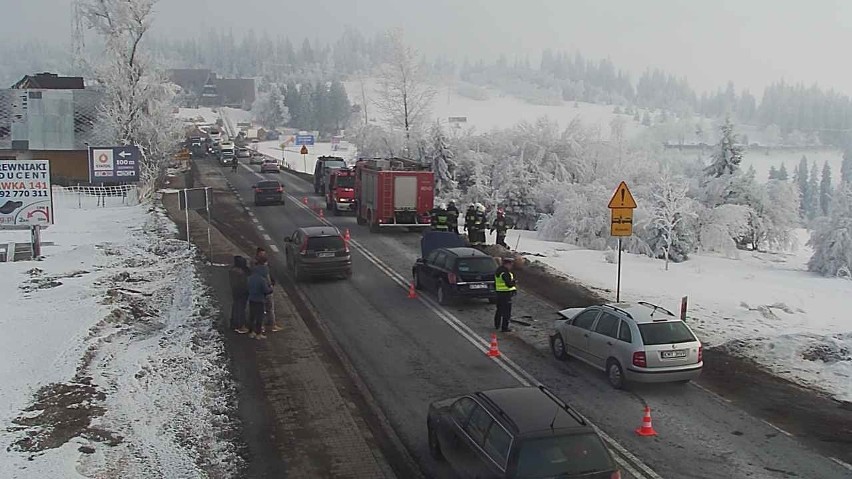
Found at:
<point>445,217</point>
<point>251,287</point>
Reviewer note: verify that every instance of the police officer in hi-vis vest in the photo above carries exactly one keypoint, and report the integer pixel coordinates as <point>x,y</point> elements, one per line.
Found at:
<point>504,283</point>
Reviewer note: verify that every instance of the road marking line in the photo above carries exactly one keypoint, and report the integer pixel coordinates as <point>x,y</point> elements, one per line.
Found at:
<point>773,426</point>
<point>483,344</point>
<point>274,248</point>
<point>267,237</point>
<point>254,220</point>
<point>842,464</point>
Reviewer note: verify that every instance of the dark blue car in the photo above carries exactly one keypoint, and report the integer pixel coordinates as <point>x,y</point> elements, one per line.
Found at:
<point>453,270</point>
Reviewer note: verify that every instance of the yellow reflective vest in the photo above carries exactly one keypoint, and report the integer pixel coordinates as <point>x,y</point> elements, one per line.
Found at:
<point>501,285</point>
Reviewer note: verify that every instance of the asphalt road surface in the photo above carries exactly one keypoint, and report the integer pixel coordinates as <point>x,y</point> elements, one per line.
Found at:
<point>410,352</point>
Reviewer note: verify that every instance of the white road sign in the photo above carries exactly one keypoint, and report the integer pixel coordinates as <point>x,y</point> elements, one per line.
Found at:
<point>25,196</point>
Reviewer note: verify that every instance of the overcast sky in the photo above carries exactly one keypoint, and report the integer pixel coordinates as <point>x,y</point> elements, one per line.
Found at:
<point>752,42</point>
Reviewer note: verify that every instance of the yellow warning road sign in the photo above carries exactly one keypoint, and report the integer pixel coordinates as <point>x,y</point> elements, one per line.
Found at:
<point>622,198</point>
<point>304,150</point>
<point>621,223</point>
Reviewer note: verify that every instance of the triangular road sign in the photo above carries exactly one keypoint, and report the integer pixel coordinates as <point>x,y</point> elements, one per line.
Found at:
<point>622,198</point>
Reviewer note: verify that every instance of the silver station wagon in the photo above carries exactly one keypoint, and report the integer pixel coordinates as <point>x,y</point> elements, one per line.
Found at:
<point>638,342</point>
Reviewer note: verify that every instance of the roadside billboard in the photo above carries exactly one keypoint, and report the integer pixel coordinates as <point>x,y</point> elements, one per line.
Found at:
<point>25,195</point>
<point>114,164</point>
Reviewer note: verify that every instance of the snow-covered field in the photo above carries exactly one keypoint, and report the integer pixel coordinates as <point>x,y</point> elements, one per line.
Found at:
<point>110,363</point>
<point>762,306</point>
<point>303,163</point>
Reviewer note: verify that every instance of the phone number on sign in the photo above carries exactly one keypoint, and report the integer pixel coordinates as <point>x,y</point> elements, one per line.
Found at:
<point>22,194</point>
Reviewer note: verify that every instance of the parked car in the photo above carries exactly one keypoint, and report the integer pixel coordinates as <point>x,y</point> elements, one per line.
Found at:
<point>256,158</point>
<point>317,251</point>
<point>270,166</point>
<point>268,192</point>
<point>514,433</point>
<point>639,342</point>
<point>452,269</point>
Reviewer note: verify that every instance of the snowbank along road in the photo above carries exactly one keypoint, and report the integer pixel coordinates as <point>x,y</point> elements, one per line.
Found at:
<point>411,352</point>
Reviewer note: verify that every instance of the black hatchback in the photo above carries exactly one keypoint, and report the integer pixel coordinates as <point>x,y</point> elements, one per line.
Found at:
<point>516,433</point>
<point>318,251</point>
<point>453,271</point>
<point>268,192</point>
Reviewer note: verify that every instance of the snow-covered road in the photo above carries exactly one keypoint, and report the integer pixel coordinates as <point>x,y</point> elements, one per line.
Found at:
<point>110,364</point>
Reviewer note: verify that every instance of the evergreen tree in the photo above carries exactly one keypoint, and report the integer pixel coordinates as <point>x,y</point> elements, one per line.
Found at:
<point>825,189</point>
<point>319,108</point>
<point>307,119</point>
<point>782,173</point>
<point>339,107</point>
<point>293,100</point>
<point>773,173</point>
<point>831,239</point>
<point>846,167</point>
<point>443,163</point>
<point>812,207</point>
<point>800,177</point>
<point>728,155</point>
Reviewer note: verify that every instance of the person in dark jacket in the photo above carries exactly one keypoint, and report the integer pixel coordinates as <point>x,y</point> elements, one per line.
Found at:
<point>479,225</point>
<point>469,218</point>
<point>440,218</point>
<point>270,323</point>
<point>453,217</point>
<point>504,283</point>
<point>259,289</point>
<point>501,225</point>
<point>238,276</point>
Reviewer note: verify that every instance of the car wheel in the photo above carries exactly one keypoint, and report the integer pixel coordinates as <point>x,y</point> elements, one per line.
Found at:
<point>557,345</point>
<point>615,374</point>
<point>443,299</point>
<point>434,445</point>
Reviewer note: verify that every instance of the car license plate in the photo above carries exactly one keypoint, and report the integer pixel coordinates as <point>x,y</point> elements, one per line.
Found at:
<point>674,354</point>
<point>325,255</point>
<point>478,286</point>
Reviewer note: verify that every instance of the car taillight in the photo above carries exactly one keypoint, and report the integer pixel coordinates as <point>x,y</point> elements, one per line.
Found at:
<point>345,244</point>
<point>700,353</point>
<point>280,190</point>
<point>615,475</point>
<point>639,359</point>
<point>304,247</point>
<point>258,190</point>
<point>451,277</point>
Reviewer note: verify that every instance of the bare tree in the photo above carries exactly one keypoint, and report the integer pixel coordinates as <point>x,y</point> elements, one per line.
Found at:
<point>405,96</point>
<point>137,105</point>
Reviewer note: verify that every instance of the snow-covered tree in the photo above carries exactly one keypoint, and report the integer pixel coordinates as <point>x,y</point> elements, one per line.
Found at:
<point>137,108</point>
<point>728,154</point>
<point>825,190</point>
<point>782,173</point>
<point>270,108</point>
<point>443,164</point>
<point>846,167</point>
<point>405,95</point>
<point>723,227</point>
<point>831,239</point>
<point>672,213</point>
<point>812,201</point>
<point>773,173</point>
<point>780,216</point>
<point>800,177</point>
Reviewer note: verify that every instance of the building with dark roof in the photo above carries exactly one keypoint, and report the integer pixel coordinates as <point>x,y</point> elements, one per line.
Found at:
<point>49,81</point>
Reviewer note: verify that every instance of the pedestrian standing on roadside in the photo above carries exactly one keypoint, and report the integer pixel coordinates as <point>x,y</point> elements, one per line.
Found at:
<point>270,323</point>
<point>258,288</point>
<point>238,276</point>
<point>504,283</point>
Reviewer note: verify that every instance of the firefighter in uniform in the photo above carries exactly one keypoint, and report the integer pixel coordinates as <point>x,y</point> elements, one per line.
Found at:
<point>504,283</point>
<point>479,223</point>
<point>469,219</point>
<point>440,218</point>
<point>501,225</point>
<point>453,217</point>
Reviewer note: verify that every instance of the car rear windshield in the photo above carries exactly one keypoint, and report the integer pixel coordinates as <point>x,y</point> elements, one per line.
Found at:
<point>562,456</point>
<point>325,243</point>
<point>476,265</point>
<point>346,181</point>
<point>332,164</point>
<point>668,332</point>
<point>268,184</point>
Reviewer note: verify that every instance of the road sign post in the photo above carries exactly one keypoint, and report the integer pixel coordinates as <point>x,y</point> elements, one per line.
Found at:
<point>114,164</point>
<point>304,152</point>
<point>621,208</point>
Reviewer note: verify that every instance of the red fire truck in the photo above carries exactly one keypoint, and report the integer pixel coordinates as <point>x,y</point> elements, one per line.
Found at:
<point>340,191</point>
<point>393,192</point>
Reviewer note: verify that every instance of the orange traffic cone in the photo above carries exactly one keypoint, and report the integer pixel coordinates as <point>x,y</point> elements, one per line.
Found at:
<point>346,235</point>
<point>412,293</point>
<point>647,429</point>
<point>493,351</point>
<point>305,200</point>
